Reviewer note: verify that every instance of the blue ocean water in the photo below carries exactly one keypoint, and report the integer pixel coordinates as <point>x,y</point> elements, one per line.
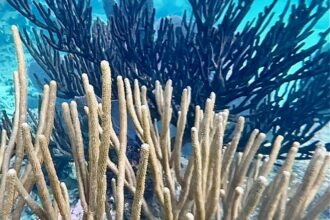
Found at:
<point>164,8</point>
<point>9,16</point>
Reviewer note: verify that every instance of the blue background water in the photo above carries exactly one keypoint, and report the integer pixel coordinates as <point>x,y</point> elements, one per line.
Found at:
<point>9,17</point>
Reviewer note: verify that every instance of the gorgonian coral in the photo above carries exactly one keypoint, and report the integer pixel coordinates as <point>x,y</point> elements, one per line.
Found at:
<point>261,69</point>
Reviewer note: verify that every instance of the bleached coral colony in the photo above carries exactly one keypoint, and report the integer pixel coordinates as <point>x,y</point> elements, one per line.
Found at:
<point>216,182</point>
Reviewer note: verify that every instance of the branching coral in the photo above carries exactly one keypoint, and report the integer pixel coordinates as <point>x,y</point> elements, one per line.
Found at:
<point>245,64</point>
<point>216,182</point>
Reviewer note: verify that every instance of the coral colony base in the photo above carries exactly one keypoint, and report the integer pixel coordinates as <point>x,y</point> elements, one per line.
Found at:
<point>216,183</point>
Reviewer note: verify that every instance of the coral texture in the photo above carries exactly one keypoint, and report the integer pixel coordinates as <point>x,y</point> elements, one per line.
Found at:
<point>216,183</point>
<point>252,66</point>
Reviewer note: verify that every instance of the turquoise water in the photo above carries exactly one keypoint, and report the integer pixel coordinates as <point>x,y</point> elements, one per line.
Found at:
<point>8,17</point>
<point>164,8</point>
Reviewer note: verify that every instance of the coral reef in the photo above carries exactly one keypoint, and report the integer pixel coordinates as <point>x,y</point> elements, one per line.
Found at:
<point>216,183</point>
<point>251,66</point>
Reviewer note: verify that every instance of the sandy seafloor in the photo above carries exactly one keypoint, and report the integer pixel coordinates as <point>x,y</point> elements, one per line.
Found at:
<point>8,66</point>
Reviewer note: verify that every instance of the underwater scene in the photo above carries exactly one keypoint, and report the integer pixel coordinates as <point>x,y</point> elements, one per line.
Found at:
<point>160,109</point>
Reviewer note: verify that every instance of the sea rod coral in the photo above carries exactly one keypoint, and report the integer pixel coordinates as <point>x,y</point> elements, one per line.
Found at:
<point>216,182</point>
<point>252,66</point>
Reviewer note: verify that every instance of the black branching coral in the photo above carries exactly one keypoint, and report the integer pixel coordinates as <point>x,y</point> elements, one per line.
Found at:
<point>261,69</point>
<point>214,183</point>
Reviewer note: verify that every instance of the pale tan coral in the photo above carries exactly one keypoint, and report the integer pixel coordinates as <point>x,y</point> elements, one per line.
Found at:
<point>140,180</point>
<point>216,183</point>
